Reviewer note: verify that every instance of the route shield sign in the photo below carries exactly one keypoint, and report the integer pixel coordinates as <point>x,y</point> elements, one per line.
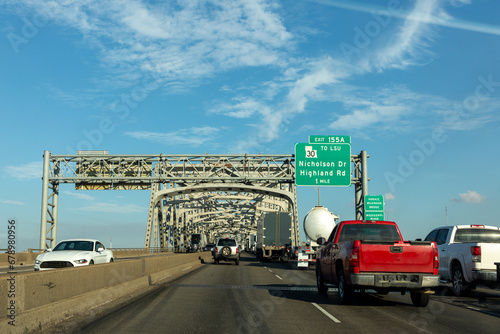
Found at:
<point>374,207</point>
<point>322,164</point>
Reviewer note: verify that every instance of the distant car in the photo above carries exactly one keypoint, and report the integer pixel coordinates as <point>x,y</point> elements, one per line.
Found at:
<point>209,247</point>
<point>227,249</point>
<point>74,253</point>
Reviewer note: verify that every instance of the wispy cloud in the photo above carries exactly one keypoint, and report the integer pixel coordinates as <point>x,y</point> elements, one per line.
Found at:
<point>181,41</point>
<point>409,44</point>
<point>194,136</point>
<point>470,197</point>
<point>389,197</point>
<point>31,170</point>
<point>79,195</point>
<point>242,108</point>
<point>112,208</point>
<point>439,18</point>
<point>10,202</point>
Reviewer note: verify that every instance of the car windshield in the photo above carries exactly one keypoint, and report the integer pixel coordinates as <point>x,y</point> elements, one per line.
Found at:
<point>477,235</point>
<point>226,242</point>
<point>74,245</point>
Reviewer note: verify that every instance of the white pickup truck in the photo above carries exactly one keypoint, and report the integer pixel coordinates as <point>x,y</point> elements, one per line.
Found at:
<point>467,255</point>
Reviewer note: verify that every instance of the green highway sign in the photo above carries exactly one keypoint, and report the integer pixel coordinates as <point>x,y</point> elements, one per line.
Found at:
<point>322,164</point>
<point>374,207</point>
<point>329,139</point>
<point>374,216</point>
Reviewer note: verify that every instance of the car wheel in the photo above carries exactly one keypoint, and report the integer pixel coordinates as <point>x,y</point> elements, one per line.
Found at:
<point>419,299</point>
<point>111,260</point>
<point>346,292</point>
<point>320,282</point>
<point>457,279</point>
<point>226,251</point>
<point>91,262</point>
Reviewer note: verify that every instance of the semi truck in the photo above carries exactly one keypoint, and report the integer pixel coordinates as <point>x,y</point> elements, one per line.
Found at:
<point>198,242</point>
<point>273,235</point>
<point>318,222</point>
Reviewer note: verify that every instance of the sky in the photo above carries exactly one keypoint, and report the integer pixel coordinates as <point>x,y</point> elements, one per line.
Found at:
<point>415,84</point>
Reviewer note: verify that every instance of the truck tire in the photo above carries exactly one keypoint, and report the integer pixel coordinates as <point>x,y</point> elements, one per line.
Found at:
<point>382,291</point>
<point>320,282</point>
<point>346,293</point>
<point>226,251</point>
<point>457,280</point>
<point>419,299</point>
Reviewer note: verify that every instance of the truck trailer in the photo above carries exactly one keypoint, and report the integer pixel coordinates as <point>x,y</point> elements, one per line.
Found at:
<point>274,235</point>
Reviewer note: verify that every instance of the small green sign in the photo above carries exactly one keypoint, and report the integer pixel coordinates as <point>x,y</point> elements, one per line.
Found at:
<point>329,139</point>
<point>374,207</point>
<point>374,216</point>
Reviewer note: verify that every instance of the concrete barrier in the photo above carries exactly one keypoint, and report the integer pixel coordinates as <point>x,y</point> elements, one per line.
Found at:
<point>24,258</point>
<point>28,258</point>
<point>38,300</point>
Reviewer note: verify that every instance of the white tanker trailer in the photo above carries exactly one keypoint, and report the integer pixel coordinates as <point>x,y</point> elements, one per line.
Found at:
<point>318,222</point>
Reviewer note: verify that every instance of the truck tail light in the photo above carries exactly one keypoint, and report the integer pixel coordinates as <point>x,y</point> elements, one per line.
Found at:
<point>354,259</point>
<point>476,253</point>
<point>435,261</point>
<point>237,250</point>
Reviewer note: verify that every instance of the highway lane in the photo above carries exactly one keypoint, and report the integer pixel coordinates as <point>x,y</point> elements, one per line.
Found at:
<point>277,298</point>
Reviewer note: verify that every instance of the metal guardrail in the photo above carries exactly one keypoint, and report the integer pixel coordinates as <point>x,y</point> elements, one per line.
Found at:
<point>146,250</point>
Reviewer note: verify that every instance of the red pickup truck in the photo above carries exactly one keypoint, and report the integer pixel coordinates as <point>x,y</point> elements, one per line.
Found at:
<point>362,255</point>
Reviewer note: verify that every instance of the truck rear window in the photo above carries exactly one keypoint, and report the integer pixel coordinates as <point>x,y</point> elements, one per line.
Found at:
<point>477,235</point>
<point>374,232</point>
<point>227,242</point>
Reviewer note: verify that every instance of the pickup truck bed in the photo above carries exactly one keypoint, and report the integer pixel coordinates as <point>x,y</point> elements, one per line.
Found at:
<point>468,254</point>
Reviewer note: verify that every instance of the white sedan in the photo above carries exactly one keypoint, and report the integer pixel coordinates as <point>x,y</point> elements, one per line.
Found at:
<point>74,253</point>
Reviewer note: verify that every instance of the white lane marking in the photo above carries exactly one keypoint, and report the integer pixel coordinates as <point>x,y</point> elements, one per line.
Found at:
<point>326,313</point>
<point>279,277</point>
<point>270,270</point>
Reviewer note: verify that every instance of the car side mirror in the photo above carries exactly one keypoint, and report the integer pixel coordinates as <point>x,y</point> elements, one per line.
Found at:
<point>321,241</point>
<point>100,249</point>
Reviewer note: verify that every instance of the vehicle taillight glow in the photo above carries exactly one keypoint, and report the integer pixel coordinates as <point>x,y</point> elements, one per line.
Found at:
<point>216,250</point>
<point>354,259</point>
<point>436,261</point>
<point>237,250</point>
<point>476,253</point>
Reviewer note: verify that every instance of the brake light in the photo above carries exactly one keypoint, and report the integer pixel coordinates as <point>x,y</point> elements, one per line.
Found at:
<point>436,261</point>
<point>354,259</point>
<point>477,226</point>
<point>237,250</point>
<point>216,250</point>
<point>476,253</point>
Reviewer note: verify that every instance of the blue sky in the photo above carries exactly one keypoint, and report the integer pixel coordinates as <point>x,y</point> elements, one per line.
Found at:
<point>414,83</point>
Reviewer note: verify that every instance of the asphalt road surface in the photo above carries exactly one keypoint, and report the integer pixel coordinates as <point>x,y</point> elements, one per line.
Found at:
<point>261,297</point>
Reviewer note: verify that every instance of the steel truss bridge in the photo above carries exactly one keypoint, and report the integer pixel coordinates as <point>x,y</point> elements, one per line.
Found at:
<point>213,194</point>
